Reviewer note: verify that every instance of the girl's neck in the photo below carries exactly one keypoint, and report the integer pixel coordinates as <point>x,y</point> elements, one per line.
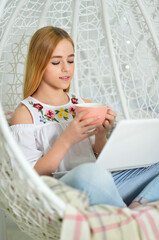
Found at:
<point>54,98</point>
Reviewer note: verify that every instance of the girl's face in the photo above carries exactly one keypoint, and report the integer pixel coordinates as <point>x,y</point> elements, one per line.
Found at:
<point>60,69</point>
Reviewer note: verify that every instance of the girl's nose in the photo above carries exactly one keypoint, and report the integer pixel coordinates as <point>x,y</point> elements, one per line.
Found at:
<point>65,66</point>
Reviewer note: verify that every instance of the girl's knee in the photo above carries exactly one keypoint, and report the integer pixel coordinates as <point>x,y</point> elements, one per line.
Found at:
<point>92,173</point>
<point>96,182</point>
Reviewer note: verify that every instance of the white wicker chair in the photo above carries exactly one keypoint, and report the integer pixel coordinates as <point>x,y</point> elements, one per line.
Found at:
<point>116,49</point>
<point>23,194</point>
<point>117,52</point>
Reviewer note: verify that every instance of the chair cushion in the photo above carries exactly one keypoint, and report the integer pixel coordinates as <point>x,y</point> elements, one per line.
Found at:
<point>70,195</point>
<point>107,222</point>
<point>103,221</point>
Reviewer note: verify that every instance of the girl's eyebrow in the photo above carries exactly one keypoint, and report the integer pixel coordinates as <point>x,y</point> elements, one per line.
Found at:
<point>71,55</point>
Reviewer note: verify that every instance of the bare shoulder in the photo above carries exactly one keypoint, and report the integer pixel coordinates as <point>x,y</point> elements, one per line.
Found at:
<point>86,100</point>
<point>21,116</point>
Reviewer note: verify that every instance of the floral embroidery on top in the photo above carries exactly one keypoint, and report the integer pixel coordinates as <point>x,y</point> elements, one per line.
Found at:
<point>62,113</point>
<point>74,100</point>
<point>50,115</point>
<point>72,111</point>
<point>38,106</point>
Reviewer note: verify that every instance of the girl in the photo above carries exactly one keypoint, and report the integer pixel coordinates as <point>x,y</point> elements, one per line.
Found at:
<point>54,139</point>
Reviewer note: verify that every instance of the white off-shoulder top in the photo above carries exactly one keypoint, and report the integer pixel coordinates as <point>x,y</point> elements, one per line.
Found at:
<point>49,122</point>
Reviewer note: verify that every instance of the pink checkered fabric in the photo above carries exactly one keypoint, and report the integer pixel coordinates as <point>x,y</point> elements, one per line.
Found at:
<point>103,222</point>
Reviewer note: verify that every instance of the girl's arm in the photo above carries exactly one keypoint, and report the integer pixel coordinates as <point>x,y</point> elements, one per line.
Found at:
<point>75,132</point>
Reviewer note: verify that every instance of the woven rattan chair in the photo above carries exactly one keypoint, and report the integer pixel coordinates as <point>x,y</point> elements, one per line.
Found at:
<point>23,194</point>
<point>117,52</point>
<point>38,211</point>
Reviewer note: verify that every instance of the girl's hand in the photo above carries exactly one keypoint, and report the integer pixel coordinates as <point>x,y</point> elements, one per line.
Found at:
<point>107,124</point>
<point>79,129</point>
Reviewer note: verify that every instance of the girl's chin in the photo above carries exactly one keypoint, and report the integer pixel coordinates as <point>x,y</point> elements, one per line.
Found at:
<point>66,86</point>
<point>66,83</point>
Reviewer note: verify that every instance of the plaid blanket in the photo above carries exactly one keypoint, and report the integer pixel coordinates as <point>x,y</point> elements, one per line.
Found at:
<point>100,222</point>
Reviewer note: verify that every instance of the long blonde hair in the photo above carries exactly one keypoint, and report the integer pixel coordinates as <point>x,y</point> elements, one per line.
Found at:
<point>42,45</point>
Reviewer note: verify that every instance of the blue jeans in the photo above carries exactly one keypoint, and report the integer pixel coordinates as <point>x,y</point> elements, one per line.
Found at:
<point>135,183</point>
<point>96,182</point>
<point>115,189</point>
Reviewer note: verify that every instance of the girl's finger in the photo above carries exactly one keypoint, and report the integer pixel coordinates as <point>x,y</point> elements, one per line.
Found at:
<point>88,121</point>
<point>107,125</point>
<point>89,133</point>
<point>110,112</point>
<point>109,117</point>
<point>91,127</point>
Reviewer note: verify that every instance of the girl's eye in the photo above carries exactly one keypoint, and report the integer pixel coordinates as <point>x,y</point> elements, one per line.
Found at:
<point>55,63</point>
<point>71,61</point>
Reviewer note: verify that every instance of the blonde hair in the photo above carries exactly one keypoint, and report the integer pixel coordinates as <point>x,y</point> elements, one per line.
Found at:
<point>42,45</point>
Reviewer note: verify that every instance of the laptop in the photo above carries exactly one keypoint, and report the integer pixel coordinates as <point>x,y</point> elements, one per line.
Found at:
<point>132,144</point>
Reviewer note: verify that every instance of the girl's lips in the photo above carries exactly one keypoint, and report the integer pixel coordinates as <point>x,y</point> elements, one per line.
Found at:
<point>65,78</point>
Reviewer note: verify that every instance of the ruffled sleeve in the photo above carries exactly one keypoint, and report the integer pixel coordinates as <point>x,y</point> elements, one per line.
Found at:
<point>25,135</point>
